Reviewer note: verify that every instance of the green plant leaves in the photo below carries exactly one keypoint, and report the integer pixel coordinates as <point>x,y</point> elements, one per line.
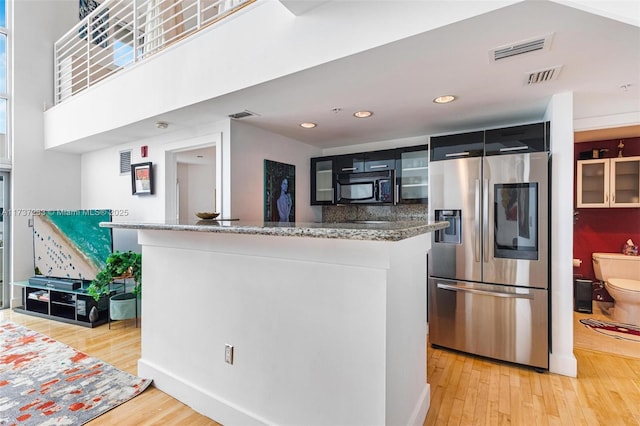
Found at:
<point>119,265</point>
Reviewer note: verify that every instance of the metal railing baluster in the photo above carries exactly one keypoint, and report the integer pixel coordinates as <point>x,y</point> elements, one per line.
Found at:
<point>87,53</point>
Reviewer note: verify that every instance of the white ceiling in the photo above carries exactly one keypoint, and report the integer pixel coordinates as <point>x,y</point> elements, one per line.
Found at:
<point>398,81</point>
<point>199,156</point>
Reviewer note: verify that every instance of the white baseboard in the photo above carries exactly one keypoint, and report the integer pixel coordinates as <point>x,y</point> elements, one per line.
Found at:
<point>567,365</point>
<point>420,411</point>
<point>197,398</point>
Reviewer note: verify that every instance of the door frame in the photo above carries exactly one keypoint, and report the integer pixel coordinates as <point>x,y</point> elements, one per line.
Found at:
<point>5,287</point>
<point>171,171</point>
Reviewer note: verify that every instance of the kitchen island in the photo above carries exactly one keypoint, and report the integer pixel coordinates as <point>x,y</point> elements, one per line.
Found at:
<point>327,321</point>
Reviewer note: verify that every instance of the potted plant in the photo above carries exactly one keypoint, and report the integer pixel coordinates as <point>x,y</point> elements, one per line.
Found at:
<point>120,265</point>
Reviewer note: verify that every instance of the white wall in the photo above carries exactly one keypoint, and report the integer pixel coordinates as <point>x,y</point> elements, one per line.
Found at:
<point>197,184</point>
<point>560,113</point>
<point>239,173</point>
<point>202,188</point>
<point>40,180</point>
<point>250,146</point>
<point>104,187</point>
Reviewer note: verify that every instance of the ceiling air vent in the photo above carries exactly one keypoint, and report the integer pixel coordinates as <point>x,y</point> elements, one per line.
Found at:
<point>242,114</point>
<point>541,76</point>
<point>520,48</point>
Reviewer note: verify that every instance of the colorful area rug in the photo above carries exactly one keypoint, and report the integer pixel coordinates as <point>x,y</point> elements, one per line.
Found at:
<point>619,331</point>
<point>45,382</point>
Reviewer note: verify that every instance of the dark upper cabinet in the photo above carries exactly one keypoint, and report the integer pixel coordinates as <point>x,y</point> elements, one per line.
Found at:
<point>350,163</point>
<point>461,145</point>
<point>517,139</point>
<point>380,160</point>
<point>323,180</point>
<point>410,165</point>
<point>366,161</point>
<point>507,140</point>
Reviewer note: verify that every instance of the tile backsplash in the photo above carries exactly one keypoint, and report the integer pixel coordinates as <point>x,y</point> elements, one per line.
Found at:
<point>344,213</point>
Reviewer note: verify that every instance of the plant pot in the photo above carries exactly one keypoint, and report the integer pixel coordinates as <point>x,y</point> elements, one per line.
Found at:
<point>124,306</point>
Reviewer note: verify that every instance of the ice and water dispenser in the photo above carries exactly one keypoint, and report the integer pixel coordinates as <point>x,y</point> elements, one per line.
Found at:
<point>452,234</point>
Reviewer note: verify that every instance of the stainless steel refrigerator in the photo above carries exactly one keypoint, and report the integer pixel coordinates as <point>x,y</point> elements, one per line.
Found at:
<point>489,271</point>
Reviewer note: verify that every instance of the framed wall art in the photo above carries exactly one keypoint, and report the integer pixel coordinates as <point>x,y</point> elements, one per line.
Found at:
<point>279,192</point>
<point>142,179</point>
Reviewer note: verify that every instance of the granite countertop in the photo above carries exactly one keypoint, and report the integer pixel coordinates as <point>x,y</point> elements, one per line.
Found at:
<point>372,230</point>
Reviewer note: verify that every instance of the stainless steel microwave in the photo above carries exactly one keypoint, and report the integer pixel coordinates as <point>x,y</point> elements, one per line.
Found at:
<point>366,188</point>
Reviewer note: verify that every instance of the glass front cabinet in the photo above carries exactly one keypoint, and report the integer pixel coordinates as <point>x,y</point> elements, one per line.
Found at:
<point>322,181</point>
<point>412,173</point>
<point>609,182</point>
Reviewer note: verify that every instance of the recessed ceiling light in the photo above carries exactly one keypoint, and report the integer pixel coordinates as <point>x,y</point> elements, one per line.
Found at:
<point>162,124</point>
<point>362,114</point>
<point>445,99</point>
<point>308,125</point>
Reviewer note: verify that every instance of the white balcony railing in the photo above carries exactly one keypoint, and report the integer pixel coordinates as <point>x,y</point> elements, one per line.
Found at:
<point>119,33</point>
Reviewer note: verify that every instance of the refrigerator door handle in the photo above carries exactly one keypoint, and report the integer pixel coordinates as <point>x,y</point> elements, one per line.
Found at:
<point>485,220</point>
<point>484,292</point>
<point>476,243</point>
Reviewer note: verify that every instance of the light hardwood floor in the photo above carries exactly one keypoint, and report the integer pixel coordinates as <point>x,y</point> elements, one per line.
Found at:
<point>120,347</point>
<point>465,390</point>
<point>468,390</point>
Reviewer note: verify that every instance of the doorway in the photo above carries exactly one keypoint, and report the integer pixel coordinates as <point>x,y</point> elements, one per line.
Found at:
<point>195,182</point>
<point>601,230</point>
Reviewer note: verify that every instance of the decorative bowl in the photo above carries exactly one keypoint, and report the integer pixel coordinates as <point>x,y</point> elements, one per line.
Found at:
<point>207,215</point>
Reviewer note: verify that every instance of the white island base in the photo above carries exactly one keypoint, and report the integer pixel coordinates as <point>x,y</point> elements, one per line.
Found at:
<point>325,331</point>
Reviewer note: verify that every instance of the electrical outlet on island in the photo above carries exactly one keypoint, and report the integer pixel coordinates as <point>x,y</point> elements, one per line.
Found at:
<point>228,353</point>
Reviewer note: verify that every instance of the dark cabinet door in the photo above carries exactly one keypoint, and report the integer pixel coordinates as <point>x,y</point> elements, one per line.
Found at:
<point>380,160</point>
<point>350,163</point>
<point>412,175</point>
<point>322,181</point>
<point>461,145</point>
<point>517,139</point>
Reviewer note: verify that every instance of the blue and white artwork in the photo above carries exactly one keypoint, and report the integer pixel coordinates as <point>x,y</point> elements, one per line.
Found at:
<point>70,243</point>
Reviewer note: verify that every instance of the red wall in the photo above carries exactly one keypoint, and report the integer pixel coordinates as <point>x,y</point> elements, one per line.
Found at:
<point>604,229</point>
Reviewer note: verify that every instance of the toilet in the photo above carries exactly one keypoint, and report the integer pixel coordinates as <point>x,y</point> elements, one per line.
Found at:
<point>621,276</point>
